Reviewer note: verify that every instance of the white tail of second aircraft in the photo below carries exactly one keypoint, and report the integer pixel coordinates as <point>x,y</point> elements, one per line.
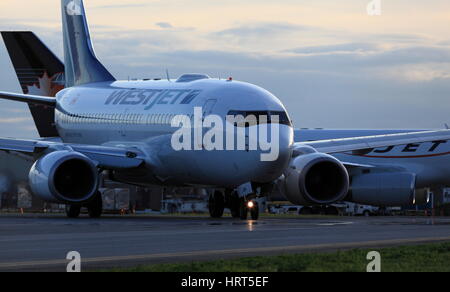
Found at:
<point>82,66</point>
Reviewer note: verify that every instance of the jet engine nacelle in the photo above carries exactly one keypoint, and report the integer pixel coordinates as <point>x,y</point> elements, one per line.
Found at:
<point>316,179</point>
<point>64,177</point>
<point>384,189</point>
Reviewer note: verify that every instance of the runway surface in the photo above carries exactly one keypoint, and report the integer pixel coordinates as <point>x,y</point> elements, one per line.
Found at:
<point>41,242</point>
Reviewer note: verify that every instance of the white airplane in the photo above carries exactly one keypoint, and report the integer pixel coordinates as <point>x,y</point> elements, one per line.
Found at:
<point>128,129</point>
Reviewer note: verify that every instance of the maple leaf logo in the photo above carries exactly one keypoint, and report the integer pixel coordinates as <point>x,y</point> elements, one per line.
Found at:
<point>46,86</point>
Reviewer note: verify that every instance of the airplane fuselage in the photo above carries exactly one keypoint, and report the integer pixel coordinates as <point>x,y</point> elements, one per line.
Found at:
<point>429,161</point>
<point>139,114</point>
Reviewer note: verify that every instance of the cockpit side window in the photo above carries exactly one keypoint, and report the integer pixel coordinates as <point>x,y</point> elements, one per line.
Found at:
<point>251,118</point>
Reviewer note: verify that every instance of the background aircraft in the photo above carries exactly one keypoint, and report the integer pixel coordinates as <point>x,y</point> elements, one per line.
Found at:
<point>125,128</point>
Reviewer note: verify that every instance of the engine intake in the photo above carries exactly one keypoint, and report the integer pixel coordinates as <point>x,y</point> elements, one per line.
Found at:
<point>64,177</point>
<point>316,179</point>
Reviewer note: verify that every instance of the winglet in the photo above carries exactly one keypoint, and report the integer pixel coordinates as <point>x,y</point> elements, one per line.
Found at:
<point>82,66</point>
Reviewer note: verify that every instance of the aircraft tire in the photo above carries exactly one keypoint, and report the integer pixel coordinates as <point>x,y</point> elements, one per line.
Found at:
<point>73,211</point>
<point>254,212</point>
<point>216,205</point>
<point>243,210</point>
<point>95,207</point>
<point>234,205</point>
<point>306,211</point>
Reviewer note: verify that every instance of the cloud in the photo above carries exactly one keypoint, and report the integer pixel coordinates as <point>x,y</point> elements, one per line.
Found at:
<point>13,120</point>
<point>255,30</point>
<point>338,48</point>
<point>400,38</point>
<point>121,6</point>
<point>417,73</point>
<point>164,25</point>
<point>327,59</point>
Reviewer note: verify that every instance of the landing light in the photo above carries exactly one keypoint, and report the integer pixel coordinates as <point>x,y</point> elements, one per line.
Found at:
<point>250,204</point>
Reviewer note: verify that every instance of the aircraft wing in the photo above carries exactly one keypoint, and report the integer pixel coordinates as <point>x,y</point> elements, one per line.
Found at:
<point>35,99</point>
<point>105,157</point>
<point>371,142</point>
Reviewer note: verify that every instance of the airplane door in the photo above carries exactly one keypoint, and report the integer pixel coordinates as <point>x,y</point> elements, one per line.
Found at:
<point>123,124</point>
<point>208,107</point>
<point>207,110</point>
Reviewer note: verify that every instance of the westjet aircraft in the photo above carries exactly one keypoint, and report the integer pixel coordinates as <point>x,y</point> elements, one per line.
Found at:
<point>133,130</point>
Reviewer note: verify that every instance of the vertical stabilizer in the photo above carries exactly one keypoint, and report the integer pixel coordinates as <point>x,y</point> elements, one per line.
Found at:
<point>82,66</point>
<point>39,72</point>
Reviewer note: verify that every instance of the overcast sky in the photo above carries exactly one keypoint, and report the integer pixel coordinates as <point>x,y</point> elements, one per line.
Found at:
<point>330,63</point>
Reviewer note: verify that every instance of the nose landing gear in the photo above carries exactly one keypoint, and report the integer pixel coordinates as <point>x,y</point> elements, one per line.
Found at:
<point>249,206</point>
<point>240,207</point>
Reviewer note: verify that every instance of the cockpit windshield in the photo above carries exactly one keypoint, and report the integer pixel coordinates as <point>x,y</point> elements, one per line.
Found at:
<point>251,118</point>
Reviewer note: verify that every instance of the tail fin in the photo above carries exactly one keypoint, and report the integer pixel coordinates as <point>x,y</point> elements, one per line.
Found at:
<point>39,72</point>
<point>82,66</point>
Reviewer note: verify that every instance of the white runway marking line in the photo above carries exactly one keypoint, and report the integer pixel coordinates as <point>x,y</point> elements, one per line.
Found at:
<point>230,251</point>
<point>335,224</point>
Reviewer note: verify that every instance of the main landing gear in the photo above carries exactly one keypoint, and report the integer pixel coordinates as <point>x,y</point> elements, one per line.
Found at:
<point>216,204</point>
<point>240,208</point>
<point>95,208</point>
<point>73,211</point>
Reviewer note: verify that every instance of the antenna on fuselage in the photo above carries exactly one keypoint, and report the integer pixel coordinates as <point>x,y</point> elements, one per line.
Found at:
<point>167,75</point>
